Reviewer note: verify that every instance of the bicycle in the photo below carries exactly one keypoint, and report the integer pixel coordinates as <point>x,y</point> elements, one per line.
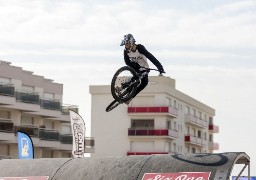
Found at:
<point>124,85</point>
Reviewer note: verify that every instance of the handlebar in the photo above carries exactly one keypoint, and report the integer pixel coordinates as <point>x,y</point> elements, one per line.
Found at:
<point>160,73</point>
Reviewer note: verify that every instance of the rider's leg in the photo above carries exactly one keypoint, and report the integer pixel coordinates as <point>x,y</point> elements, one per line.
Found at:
<point>143,84</point>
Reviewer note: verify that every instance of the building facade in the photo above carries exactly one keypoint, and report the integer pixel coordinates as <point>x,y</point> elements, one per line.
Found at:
<point>160,120</point>
<point>33,104</point>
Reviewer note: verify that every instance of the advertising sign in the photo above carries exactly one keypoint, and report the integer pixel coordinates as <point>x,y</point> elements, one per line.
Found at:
<point>78,131</point>
<point>244,178</point>
<point>177,176</point>
<point>25,146</point>
<point>25,178</point>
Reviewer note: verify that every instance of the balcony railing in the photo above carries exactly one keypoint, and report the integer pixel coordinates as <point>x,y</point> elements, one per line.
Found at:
<point>34,98</point>
<point>4,157</point>
<point>50,104</point>
<point>145,153</point>
<point>49,134</point>
<point>195,140</point>
<point>27,97</point>
<point>6,125</point>
<point>29,129</point>
<point>189,118</point>
<point>6,90</point>
<point>148,132</point>
<point>66,138</point>
<point>213,128</point>
<point>89,142</point>
<point>156,109</point>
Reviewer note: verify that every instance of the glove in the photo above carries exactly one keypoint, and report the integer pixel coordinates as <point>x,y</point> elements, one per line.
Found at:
<point>161,70</point>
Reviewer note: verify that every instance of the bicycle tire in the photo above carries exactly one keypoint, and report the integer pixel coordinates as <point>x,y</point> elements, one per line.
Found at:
<point>112,105</point>
<point>118,78</point>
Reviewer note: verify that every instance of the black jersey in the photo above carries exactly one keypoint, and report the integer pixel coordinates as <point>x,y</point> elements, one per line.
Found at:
<point>138,58</point>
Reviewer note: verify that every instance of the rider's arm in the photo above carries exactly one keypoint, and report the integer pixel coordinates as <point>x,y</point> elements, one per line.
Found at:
<point>144,51</point>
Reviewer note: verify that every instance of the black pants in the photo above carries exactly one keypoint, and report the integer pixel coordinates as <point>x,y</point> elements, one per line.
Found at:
<point>143,84</point>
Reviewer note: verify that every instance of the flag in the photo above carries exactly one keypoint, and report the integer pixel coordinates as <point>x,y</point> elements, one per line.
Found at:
<point>25,146</point>
<point>78,131</point>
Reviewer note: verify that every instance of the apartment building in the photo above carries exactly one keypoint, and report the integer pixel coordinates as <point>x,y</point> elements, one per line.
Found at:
<point>33,104</point>
<point>160,120</point>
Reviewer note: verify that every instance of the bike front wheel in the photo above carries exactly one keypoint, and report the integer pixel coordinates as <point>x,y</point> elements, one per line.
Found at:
<point>124,84</point>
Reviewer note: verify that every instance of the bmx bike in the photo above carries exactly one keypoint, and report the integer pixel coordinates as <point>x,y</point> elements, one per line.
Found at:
<point>124,85</point>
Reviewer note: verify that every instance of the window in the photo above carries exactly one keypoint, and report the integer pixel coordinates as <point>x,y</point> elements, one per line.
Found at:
<point>194,132</point>
<point>169,124</point>
<point>186,109</point>
<point>199,115</point>
<point>4,80</point>
<point>187,147</point>
<point>175,104</point>
<point>141,123</point>
<point>27,88</point>
<point>4,114</point>
<point>27,120</point>
<point>175,125</point>
<point>210,120</point>
<point>66,129</point>
<point>48,96</point>
<point>188,130</point>
<point>199,134</point>
<point>169,102</point>
<point>193,150</point>
<point>194,112</point>
<point>205,136</point>
<point>174,147</point>
<point>210,138</point>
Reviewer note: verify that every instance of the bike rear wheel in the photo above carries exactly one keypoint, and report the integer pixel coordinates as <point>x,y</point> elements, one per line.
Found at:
<point>124,75</point>
<point>112,105</point>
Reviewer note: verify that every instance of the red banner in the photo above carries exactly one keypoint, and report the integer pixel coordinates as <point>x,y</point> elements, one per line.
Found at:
<point>177,176</point>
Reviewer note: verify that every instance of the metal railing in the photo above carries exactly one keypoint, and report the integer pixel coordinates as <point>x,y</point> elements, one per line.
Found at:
<point>6,125</point>
<point>6,89</point>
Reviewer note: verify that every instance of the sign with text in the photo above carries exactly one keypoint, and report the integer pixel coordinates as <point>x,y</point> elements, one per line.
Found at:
<point>25,178</point>
<point>177,176</point>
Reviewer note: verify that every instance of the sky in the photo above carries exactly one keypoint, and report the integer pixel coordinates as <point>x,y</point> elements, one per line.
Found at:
<point>207,46</point>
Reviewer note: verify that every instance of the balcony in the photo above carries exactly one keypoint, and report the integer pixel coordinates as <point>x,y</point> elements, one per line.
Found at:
<point>4,157</point>
<point>89,145</point>
<point>163,110</point>
<point>49,134</point>
<point>195,140</point>
<point>27,97</point>
<point>6,90</point>
<point>66,138</point>
<point>213,146</point>
<point>147,132</point>
<point>50,104</point>
<point>29,129</point>
<point>145,153</point>
<point>6,125</point>
<point>213,128</point>
<point>195,121</point>
<point>153,132</point>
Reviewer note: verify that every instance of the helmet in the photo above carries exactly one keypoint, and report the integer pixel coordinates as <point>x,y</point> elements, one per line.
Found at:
<point>128,38</point>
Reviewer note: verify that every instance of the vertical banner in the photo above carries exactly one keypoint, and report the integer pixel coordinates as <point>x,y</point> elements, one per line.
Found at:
<point>78,131</point>
<point>25,146</point>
